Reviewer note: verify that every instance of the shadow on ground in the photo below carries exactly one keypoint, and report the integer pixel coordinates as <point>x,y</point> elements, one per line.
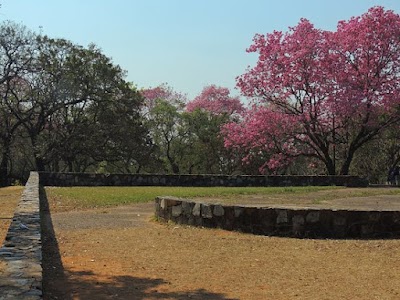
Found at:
<point>59,283</point>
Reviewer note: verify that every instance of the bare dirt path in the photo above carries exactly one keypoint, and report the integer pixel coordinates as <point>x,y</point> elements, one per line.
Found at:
<point>121,253</point>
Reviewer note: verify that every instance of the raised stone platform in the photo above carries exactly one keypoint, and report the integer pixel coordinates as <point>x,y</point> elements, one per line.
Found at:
<point>303,222</point>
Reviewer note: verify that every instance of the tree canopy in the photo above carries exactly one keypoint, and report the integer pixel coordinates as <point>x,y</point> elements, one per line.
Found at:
<point>319,102</point>
<point>58,106</point>
<point>321,94</point>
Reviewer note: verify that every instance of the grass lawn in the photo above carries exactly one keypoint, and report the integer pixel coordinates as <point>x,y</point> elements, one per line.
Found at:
<point>86,197</point>
<point>89,197</point>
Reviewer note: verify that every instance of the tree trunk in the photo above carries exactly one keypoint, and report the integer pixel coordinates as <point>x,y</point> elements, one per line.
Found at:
<point>330,168</point>
<point>40,165</point>
<point>346,165</point>
<point>4,170</point>
<point>175,167</point>
<point>4,165</point>
<point>70,166</point>
<point>329,163</point>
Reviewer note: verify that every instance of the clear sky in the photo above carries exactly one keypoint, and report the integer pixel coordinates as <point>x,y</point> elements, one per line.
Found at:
<point>186,43</point>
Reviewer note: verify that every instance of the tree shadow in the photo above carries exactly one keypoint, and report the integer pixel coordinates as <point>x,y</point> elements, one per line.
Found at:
<point>59,283</point>
<point>129,287</point>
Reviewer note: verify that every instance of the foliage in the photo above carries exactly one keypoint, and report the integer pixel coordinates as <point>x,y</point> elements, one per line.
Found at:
<point>59,105</point>
<point>216,100</point>
<point>187,134</point>
<point>321,102</point>
<point>320,94</point>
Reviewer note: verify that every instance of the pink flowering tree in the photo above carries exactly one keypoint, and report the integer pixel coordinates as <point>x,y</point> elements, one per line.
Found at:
<point>163,111</point>
<point>162,92</point>
<point>263,136</point>
<point>322,94</point>
<point>206,114</point>
<point>216,100</point>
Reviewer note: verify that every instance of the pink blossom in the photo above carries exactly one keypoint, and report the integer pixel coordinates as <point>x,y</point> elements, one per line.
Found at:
<point>162,92</point>
<point>319,93</point>
<point>216,100</point>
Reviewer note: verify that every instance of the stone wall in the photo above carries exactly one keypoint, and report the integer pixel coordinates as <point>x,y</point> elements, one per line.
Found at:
<point>87,179</point>
<point>296,222</point>
<point>21,253</point>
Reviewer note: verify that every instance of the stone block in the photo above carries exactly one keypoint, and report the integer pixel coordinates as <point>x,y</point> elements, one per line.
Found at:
<point>298,220</point>
<point>312,217</point>
<point>168,202</point>
<point>186,208</point>
<point>218,211</point>
<point>238,211</point>
<point>176,210</point>
<point>282,217</point>
<point>206,211</point>
<point>163,204</point>
<point>339,221</point>
<point>196,211</point>
<point>374,216</point>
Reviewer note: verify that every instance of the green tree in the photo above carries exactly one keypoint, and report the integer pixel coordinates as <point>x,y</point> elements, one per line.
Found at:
<point>85,112</point>
<point>171,135</point>
<point>17,51</point>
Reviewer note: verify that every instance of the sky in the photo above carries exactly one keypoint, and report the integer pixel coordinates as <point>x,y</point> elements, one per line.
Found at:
<point>187,44</point>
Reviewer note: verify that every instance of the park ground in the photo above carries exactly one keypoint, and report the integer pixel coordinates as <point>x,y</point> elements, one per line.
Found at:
<point>9,197</point>
<point>121,252</point>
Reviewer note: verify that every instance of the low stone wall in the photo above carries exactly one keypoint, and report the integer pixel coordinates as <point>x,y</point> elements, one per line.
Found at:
<point>296,222</point>
<point>21,253</point>
<point>86,179</point>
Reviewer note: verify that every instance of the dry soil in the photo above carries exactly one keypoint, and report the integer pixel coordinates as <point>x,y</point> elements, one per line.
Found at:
<point>122,253</point>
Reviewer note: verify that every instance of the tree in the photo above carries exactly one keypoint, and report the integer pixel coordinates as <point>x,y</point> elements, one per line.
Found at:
<point>206,115</point>
<point>17,50</point>
<point>62,77</point>
<point>64,107</point>
<point>162,92</point>
<point>187,134</point>
<point>168,130</point>
<point>336,91</point>
<point>84,110</point>
<point>216,100</point>
<point>380,156</point>
<point>121,130</point>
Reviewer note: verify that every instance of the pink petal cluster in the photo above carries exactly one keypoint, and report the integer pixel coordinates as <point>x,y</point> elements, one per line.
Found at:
<point>161,92</point>
<point>216,100</point>
<point>263,130</point>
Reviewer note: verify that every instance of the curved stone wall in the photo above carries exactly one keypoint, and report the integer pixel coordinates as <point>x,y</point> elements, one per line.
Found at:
<point>296,222</point>
<point>21,253</point>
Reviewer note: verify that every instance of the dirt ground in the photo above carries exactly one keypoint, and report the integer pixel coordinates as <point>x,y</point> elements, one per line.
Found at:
<point>343,198</point>
<point>9,197</point>
<point>122,253</point>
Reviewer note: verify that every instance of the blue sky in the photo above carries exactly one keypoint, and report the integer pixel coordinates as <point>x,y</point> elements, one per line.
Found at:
<point>186,43</point>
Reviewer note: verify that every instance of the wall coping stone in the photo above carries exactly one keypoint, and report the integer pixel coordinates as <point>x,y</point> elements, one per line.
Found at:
<point>21,253</point>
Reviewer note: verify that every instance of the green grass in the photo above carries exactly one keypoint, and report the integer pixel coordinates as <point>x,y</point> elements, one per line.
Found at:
<point>88,197</point>
<point>85,197</point>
